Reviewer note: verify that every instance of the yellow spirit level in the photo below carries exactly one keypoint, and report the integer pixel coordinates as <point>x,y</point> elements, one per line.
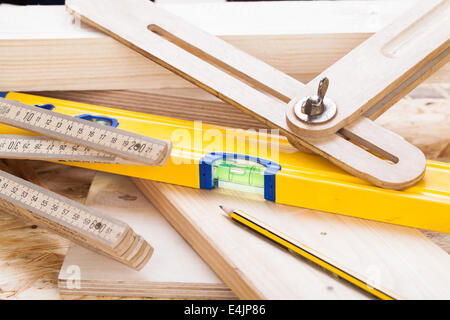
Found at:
<point>207,156</point>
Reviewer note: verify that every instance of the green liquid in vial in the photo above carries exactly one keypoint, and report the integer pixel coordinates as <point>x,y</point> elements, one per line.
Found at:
<point>239,175</point>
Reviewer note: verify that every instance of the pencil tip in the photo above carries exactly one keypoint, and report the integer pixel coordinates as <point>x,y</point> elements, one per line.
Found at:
<point>223,212</point>
<point>225,209</point>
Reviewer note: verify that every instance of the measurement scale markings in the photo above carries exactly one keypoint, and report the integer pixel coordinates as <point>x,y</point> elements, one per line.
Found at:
<point>44,148</point>
<point>63,211</point>
<point>97,136</point>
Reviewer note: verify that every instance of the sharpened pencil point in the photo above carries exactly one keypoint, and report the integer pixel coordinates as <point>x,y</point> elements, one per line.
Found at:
<point>226,210</point>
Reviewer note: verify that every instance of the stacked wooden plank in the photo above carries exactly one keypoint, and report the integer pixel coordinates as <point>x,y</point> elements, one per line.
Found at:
<point>60,53</point>
<point>388,255</point>
<point>192,104</point>
<point>175,270</point>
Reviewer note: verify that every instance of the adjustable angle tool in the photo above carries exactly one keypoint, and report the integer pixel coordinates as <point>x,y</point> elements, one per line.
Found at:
<point>337,122</point>
<point>85,226</point>
<point>207,156</point>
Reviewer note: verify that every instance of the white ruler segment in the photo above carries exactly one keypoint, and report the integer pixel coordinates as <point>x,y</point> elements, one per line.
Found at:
<point>61,210</point>
<point>49,149</point>
<point>127,145</point>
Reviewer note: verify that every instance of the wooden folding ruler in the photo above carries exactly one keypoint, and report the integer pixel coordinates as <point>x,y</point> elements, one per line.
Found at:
<point>337,121</point>
<point>80,137</point>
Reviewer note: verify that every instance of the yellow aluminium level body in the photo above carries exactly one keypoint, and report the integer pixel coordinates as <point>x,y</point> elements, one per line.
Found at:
<point>208,156</point>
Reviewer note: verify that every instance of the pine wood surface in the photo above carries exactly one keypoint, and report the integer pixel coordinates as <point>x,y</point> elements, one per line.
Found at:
<point>254,269</point>
<point>174,271</point>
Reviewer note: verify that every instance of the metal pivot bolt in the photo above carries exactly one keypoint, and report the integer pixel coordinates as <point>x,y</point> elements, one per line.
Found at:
<point>317,108</point>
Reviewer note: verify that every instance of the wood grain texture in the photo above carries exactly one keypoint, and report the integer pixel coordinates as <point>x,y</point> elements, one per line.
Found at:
<point>423,119</point>
<point>252,86</point>
<point>184,103</point>
<point>30,257</point>
<point>175,270</point>
<point>59,53</point>
<point>254,268</point>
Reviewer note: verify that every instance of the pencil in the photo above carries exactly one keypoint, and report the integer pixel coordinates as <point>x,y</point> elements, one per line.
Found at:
<point>306,252</point>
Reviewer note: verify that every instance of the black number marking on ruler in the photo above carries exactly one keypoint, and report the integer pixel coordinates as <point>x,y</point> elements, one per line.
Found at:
<point>68,213</point>
<point>49,149</point>
<point>111,140</point>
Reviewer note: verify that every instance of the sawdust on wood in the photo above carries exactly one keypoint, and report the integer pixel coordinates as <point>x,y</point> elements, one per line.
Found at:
<point>423,120</point>
<point>31,257</point>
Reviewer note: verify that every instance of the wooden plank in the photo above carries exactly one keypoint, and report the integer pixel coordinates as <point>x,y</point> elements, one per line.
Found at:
<point>58,53</point>
<point>400,259</point>
<point>183,103</point>
<point>175,270</point>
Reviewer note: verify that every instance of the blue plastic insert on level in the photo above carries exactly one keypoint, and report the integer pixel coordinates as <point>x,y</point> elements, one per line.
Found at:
<point>100,119</point>
<point>47,106</point>
<point>206,172</point>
